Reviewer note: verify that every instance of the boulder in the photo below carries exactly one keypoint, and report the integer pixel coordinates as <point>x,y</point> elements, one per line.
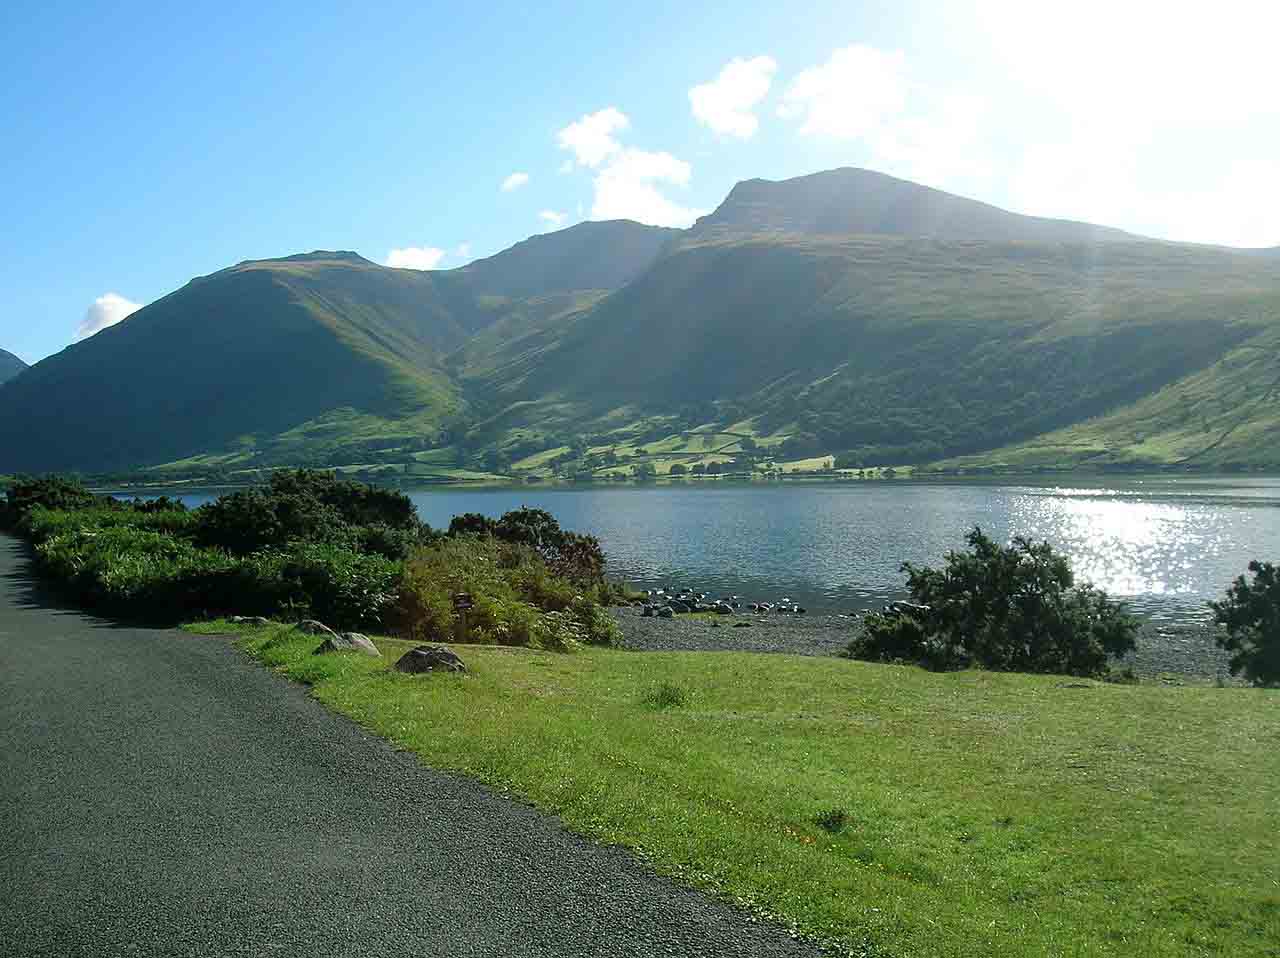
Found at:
<point>742,625</point>
<point>312,627</point>
<point>430,658</point>
<point>249,620</point>
<point>647,611</point>
<point>666,612</point>
<point>722,608</point>
<point>348,642</point>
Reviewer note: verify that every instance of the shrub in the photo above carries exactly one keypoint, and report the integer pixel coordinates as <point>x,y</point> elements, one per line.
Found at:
<point>49,492</point>
<point>517,599</point>
<point>341,587</point>
<point>1250,614</point>
<point>569,554</point>
<point>308,506</point>
<point>1008,608</point>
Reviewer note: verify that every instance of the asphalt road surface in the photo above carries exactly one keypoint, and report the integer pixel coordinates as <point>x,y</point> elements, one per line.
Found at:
<point>161,794</point>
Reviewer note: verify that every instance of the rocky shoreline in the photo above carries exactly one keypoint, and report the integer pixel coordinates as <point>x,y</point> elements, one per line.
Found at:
<point>1171,653</point>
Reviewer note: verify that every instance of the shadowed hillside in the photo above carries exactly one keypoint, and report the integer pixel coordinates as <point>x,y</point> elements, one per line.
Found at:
<point>10,365</point>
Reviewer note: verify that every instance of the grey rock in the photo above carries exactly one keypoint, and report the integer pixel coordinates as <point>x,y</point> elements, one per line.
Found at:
<point>348,642</point>
<point>666,612</point>
<point>249,620</point>
<point>742,625</point>
<point>430,658</point>
<point>312,627</point>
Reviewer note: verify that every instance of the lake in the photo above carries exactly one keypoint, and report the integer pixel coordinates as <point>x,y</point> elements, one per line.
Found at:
<point>1168,545</point>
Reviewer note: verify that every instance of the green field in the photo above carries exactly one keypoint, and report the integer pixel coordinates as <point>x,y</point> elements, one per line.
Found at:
<point>968,813</point>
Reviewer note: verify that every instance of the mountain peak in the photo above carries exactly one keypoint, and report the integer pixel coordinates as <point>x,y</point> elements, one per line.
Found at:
<point>851,200</point>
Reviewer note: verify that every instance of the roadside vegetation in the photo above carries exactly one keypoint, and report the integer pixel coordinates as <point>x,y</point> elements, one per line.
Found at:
<point>896,811</point>
<point>311,545</point>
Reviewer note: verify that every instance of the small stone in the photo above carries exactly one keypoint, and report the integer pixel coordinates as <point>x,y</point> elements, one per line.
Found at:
<point>742,625</point>
<point>348,642</point>
<point>430,658</point>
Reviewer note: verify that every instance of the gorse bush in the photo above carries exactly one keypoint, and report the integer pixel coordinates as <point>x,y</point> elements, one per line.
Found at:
<point>1012,608</point>
<point>305,506</point>
<point>1250,616</point>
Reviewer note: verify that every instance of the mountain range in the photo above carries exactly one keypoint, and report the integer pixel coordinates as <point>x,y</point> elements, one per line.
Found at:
<point>845,316</point>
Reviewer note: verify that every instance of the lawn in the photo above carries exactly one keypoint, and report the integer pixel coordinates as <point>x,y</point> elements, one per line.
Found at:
<point>965,814</point>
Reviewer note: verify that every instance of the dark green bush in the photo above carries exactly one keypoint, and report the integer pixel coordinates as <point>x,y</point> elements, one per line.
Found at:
<point>1008,608</point>
<point>50,492</point>
<point>308,506</point>
<point>1250,615</point>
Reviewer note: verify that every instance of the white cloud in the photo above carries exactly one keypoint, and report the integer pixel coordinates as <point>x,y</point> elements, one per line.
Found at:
<point>591,139</point>
<point>514,182</point>
<point>626,180</point>
<point>462,251</point>
<point>415,257</point>
<point>566,167</point>
<point>726,104</point>
<point>853,95</point>
<point>107,310</point>
<point>552,218</point>
<point>627,189</point>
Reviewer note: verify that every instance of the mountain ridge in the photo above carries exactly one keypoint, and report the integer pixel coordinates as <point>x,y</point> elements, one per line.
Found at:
<point>844,313</point>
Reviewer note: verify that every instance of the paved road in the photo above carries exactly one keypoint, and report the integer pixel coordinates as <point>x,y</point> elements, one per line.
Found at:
<point>160,794</point>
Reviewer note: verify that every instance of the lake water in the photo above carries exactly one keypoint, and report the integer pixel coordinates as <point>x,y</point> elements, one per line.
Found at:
<point>1167,545</point>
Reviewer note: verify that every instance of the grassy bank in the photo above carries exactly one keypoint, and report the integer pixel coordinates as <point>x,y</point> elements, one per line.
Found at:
<point>965,813</point>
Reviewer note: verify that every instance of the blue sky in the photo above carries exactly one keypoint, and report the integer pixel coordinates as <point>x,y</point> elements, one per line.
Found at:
<point>147,144</point>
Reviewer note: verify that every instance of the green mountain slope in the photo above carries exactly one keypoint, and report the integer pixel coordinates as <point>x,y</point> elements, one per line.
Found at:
<point>10,365</point>
<point>305,358</point>
<point>883,348</point>
<point>1223,417</point>
<point>239,355</point>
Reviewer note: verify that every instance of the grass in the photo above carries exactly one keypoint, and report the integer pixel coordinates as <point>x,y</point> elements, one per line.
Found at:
<point>898,812</point>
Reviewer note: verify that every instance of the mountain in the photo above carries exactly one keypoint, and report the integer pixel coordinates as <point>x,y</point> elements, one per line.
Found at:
<point>294,357</point>
<point>846,314</point>
<point>886,349</point>
<point>10,365</point>
<point>853,201</point>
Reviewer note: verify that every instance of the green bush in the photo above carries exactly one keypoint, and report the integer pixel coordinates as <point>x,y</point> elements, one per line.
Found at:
<point>342,588</point>
<point>25,493</point>
<point>517,599</point>
<point>309,506</point>
<point>1250,614</point>
<point>1009,608</point>
<point>570,555</point>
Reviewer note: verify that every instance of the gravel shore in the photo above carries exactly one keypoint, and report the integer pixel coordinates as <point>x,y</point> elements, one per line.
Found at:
<point>1171,652</point>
